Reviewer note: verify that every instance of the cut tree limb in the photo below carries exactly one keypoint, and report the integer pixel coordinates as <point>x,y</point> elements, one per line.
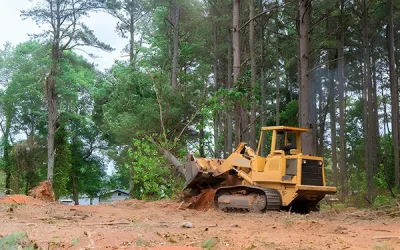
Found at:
<point>387,237</point>
<point>170,157</point>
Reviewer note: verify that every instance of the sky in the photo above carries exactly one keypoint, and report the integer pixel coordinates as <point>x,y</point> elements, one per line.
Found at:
<point>16,30</point>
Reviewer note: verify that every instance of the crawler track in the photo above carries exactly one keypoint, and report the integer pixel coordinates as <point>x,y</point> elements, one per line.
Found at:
<point>247,198</point>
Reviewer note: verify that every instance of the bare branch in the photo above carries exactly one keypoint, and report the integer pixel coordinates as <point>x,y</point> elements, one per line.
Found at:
<point>160,108</point>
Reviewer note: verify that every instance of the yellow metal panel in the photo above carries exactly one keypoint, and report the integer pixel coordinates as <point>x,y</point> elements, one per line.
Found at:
<point>287,128</point>
<point>260,164</point>
<point>325,189</point>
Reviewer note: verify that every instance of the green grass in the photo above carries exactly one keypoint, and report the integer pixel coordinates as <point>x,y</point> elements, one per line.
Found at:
<point>382,246</point>
<point>75,241</point>
<point>141,243</point>
<point>209,243</point>
<point>16,241</point>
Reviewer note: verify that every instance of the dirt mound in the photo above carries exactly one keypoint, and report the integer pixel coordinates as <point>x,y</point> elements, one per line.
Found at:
<point>44,191</point>
<point>204,201</point>
<point>20,199</point>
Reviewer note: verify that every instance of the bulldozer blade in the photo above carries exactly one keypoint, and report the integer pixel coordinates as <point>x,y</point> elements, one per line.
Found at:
<point>200,175</point>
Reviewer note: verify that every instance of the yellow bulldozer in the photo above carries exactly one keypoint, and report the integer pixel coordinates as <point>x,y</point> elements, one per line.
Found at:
<point>258,181</point>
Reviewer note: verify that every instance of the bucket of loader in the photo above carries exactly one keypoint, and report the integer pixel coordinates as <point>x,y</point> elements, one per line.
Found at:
<point>200,173</point>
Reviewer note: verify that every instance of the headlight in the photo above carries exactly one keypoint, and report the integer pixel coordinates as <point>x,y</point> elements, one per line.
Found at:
<point>304,161</point>
<point>320,163</point>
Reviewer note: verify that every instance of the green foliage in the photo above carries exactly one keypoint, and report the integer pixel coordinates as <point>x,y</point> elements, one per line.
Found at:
<point>62,164</point>
<point>29,156</point>
<point>379,178</point>
<point>289,115</point>
<point>102,113</point>
<point>210,243</point>
<point>383,200</point>
<point>16,241</point>
<point>71,31</point>
<point>75,241</point>
<point>383,246</point>
<point>153,178</point>
<point>357,182</point>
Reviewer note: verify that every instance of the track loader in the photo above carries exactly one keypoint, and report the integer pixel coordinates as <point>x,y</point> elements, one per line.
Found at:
<point>283,178</point>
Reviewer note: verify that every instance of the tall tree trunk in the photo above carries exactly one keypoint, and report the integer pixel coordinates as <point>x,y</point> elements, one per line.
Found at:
<point>385,131</point>
<point>262,73</point>
<point>323,111</point>
<point>51,95</point>
<point>75,192</point>
<point>132,40</point>
<point>17,180</point>
<point>375,143</point>
<point>277,82</point>
<point>217,115</point>
<point>6,153</point>
<point>130,182</point>
<point>394,93</point>
<point>252,138</point>
<point>367,108</point>
<point>52,110</point>
<point>201,139</point>
<point>332,113</point>
<point>308,146</point>
<point>229,123</point>
<point>175,57</point>
<point>236,67</point>
<point>263,82</point>
<point>342,122</point>
<point>132,62</point>
<point>170,42</point>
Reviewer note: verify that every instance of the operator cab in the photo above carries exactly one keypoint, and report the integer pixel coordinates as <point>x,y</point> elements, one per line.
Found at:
<point>283,140</point>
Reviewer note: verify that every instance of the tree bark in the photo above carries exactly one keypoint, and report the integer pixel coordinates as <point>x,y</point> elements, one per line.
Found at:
<point>75,192</point>
<point>386,131</point>
<point>217,86</point>
<point>367,108</point>
<point>131,173</point>
<point>52,109</point>
<point>375,143</point>
<point>6,153</point>
<point>229,123</point>
<point>332,114</point>
<point>179,166</point>
<point>236,67</point>
<point>252,138</point>
<point>308,146</point>
<point>342,122</point>
<point>51,95</point>
<point>263,82</point>
<point>394,93</point>
<point>277,82</point>
<point>201,142</point>
<point>175,57</point>
<point>132,40</point>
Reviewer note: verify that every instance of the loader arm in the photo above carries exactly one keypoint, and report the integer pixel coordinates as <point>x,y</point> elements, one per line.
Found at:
<point>211,172</point>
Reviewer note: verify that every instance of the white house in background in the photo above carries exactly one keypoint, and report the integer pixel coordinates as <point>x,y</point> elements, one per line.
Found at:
<point>83,201</point>
<point>116,195</point>
<point>113,195</point>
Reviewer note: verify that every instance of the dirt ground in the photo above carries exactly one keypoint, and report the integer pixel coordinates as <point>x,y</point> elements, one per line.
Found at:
<point>134,224</point>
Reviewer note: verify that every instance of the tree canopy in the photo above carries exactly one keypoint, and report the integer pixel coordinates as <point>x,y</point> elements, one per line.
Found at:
<point>201,76</point>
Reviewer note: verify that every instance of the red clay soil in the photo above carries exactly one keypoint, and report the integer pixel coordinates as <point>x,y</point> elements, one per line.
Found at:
<point>174,248</point>
<point>43,192</point>
<point>141,225</point>
<point>204,201</point>
<point>20,199</point>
